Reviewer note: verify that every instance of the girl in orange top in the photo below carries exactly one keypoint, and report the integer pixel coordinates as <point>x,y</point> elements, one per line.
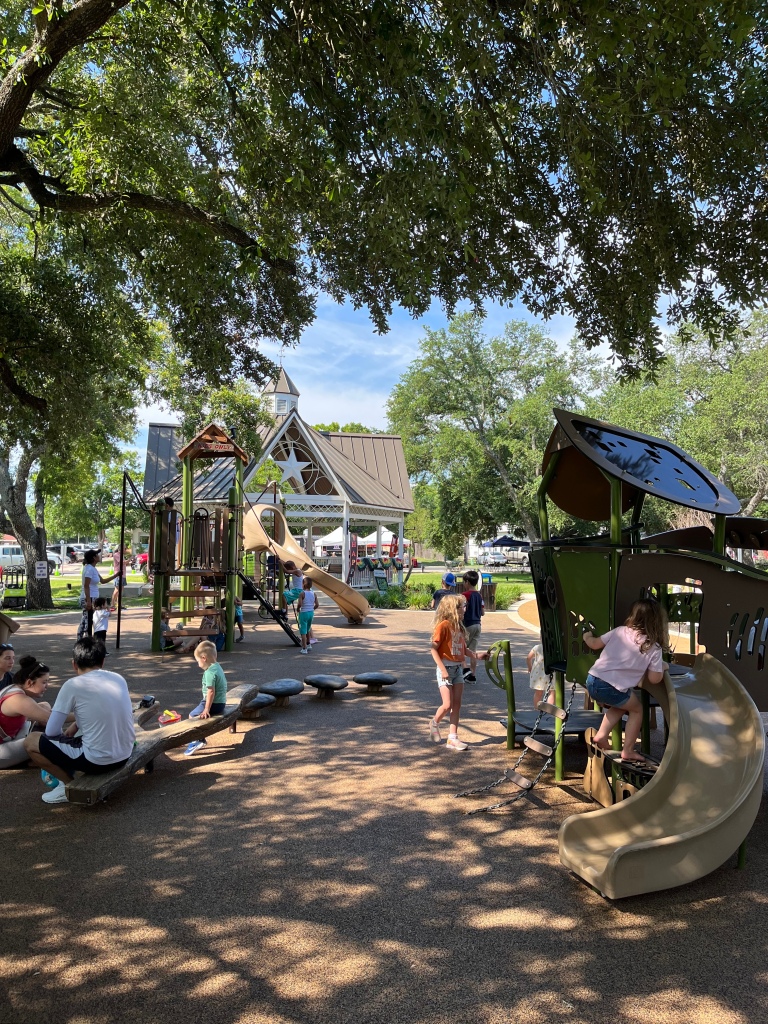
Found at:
<point>449,648</point>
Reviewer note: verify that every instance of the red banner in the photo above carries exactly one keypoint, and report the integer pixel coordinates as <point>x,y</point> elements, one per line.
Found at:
<point>393,547</point>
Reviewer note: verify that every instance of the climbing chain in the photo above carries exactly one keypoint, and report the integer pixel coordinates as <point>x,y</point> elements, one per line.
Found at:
<point>521,758</point>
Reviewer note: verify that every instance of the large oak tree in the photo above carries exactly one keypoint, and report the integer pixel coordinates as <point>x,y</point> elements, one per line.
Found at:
<point>225,160</point>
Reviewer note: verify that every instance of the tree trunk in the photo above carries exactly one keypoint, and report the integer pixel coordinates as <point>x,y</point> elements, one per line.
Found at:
<point>13,495</point>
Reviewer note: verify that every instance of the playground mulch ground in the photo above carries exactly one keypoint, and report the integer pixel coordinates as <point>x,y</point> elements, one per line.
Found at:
<point>316,867</point>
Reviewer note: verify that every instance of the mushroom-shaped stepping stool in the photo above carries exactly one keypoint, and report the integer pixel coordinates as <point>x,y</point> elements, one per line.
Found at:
<point>326,685</point>
<point>375,681</point>
<point>254,708</point>
<point>282,690</point>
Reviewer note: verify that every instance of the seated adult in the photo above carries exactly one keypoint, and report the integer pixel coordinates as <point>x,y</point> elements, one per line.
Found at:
<point>19,707</point>
<point>101,705</point>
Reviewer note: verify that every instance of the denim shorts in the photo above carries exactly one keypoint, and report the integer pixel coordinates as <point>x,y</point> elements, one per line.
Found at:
<point>455,673</point>
<point>604,693</point>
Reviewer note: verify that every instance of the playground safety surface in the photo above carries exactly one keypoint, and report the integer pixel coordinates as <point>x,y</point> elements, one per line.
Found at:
<point>315,867</point>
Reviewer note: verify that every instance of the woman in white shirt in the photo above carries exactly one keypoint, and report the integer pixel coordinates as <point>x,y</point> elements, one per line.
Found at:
<point>90,591</point>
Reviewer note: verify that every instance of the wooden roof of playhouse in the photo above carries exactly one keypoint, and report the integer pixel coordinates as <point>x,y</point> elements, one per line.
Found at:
<point>212,443</point>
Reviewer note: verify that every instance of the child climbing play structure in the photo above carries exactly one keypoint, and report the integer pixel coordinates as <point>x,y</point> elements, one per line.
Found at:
<point>698,807</point>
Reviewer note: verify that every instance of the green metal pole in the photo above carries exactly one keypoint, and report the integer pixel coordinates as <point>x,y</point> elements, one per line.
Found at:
<point>187,512</point>
<point>239,525</point>
<point>560,751</point>
<point>615,482</point>
<point>509,686</point>
<point>541,495</point>
<point>718,541</point>
<point>229,643</point>
<point>160,591</point>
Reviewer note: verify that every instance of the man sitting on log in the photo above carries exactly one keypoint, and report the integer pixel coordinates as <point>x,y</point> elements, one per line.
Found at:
<point>102,736</point>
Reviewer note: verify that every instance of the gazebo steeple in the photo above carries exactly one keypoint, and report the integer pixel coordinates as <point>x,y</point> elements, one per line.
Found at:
<point>282,394</point>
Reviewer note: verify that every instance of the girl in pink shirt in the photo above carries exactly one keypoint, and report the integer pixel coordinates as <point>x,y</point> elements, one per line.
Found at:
<point>629,653</point>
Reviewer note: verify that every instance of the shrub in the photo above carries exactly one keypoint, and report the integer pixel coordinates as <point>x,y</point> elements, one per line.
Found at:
<point>507,594</point>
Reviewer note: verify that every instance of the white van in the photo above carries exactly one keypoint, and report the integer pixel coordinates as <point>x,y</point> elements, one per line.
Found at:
<point>10,555</point>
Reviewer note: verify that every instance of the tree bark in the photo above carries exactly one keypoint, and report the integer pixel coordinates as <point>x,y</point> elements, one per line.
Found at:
<point>13,498</point>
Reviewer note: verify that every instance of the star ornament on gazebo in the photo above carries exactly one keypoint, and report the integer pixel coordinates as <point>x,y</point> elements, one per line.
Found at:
<point>292,468</point>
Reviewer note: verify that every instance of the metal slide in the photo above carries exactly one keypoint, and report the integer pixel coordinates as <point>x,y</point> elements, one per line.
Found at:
<point>699,806</point>
<point>285,547</point>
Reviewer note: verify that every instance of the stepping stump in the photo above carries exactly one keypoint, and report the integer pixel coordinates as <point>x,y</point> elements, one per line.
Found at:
<point>326,685</point>
<point>282,690</point>
<point>375,681</point>
<point>253,710</point>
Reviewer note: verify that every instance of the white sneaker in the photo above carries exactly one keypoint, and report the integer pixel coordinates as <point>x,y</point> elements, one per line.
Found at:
<point>434,731</point>
<point>303,650</point>
<point>56,796</point>
<point>454,743</point>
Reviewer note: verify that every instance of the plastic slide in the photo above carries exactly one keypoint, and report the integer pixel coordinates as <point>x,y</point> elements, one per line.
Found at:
<point>285,547</point>
<point>699,806</point>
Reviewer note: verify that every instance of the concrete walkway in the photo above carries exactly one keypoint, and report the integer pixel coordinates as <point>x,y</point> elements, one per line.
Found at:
<point>315,867</point>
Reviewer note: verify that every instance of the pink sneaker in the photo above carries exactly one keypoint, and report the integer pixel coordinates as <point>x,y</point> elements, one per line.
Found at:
<point>454,743</point>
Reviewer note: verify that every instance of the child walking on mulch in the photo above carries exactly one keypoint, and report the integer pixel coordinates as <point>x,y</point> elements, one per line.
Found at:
<point>630,653</point>
<point>449,648</point>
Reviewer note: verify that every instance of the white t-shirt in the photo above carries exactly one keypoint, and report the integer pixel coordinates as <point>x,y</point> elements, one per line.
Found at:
<point>101,705</point>
<point>622,663</point>
<point>538,678</point>
<point>100,619</point>
<point>307,601</point>
<point>297,579</point>
<point>90,581</point>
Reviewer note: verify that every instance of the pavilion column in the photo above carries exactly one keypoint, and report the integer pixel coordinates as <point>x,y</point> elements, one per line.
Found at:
<point>345,543</point>
<point>401,547</point>
<point>378,540</point>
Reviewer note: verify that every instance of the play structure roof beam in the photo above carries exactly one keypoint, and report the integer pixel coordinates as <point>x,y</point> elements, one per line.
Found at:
<point>591,451</point>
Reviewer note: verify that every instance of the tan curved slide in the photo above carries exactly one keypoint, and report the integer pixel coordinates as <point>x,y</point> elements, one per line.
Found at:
<point>286,548</point>
<point>699,806</point>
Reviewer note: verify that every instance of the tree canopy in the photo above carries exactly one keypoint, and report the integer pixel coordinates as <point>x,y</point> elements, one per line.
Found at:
<point>475,414</point>
<point>223,161</point>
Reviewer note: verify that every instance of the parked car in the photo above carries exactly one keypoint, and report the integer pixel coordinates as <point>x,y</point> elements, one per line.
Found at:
<point>10,555</point>
<point>54,558</point>
<point>494,558</point>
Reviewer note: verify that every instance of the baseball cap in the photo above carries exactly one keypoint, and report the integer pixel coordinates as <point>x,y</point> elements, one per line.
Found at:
<point>449,579</point>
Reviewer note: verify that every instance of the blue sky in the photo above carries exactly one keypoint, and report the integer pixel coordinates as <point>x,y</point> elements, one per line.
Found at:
<point>345,371</point>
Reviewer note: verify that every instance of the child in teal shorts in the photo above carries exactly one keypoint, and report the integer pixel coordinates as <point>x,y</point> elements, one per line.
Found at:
<point>307,604</point>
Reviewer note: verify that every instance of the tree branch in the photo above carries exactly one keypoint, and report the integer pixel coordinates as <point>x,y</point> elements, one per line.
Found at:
<point>53,41</point>
<point>50,193</point>
<point>7,378</point>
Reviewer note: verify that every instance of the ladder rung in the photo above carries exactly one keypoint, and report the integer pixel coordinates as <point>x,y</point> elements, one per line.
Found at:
<point>539,748</point>
<point>552,709</point>
<point>519,780</point>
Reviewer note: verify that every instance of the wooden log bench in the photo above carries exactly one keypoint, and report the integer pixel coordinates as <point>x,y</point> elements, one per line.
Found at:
<point>90,789</point>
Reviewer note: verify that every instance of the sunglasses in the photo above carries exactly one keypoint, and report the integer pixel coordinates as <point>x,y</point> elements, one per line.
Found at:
<point>6,647</point>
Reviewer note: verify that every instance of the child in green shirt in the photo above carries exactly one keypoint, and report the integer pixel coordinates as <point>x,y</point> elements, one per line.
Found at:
<point>214,688</point>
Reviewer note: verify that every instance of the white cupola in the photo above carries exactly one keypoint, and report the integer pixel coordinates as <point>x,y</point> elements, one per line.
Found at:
<point>282,395</point>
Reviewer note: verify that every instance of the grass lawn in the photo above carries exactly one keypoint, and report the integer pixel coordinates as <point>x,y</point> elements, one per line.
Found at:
<point>66,591</point>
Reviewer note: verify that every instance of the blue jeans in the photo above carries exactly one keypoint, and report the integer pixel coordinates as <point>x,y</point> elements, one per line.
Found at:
<point>604,693</point>
<point>216,709</point>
